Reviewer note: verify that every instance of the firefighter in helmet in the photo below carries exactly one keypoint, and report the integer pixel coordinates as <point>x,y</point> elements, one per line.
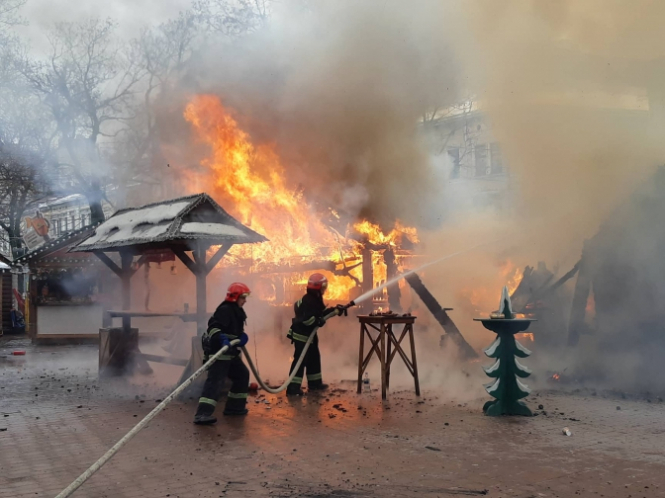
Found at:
<point>310,314</point>
<point>225,325</point>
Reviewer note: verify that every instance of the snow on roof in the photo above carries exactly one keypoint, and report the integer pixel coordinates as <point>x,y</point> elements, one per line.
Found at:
<point>192,217</point>
<point>209,228</point>
<point>138,224</point>
<point>4,266</point>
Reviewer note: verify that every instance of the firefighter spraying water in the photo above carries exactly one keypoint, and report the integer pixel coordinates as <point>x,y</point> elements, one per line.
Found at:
<point>311,313</point>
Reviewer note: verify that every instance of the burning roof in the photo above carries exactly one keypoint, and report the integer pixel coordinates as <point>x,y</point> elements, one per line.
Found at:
<point>192,217</point>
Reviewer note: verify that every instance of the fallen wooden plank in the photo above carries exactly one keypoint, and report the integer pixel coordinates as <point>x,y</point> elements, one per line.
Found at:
<point>441,315</point>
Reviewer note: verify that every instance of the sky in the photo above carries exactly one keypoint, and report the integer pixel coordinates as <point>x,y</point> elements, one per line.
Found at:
<point>131,14</point>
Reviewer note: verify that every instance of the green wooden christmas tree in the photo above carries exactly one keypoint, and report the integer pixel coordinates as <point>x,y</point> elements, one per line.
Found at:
<point>506,370</point>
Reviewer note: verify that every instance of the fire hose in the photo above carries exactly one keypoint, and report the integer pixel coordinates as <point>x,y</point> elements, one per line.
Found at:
<point>116,447</point>
<point>279,389</point>
<point>109,454</point>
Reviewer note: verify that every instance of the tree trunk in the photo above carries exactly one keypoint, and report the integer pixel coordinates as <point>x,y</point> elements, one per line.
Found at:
<point>94,196</point>
<point>15,242</point>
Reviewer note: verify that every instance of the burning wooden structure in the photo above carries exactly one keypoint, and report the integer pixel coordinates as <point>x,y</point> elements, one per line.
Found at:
<point>620,287</point>
<point>131,237</point>
<point>541,294</point>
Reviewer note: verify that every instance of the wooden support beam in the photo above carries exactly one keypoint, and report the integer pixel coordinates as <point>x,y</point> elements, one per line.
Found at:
<point>187,261</point>
<point>546,290</point>
<point>217,257</point>
<point>109,263</point>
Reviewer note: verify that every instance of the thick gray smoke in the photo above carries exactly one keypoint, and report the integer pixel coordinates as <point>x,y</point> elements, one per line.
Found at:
<point>340,87</point>
<point>573,90</point>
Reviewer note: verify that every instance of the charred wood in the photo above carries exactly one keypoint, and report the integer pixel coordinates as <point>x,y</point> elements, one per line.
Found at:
<point>441,316</point>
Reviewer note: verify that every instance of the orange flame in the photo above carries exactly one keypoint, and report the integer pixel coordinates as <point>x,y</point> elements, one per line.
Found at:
<point>484,299</point>
<point>249,180</point>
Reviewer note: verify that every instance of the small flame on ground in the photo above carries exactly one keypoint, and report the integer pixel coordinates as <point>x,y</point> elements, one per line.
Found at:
<point>556,376</point>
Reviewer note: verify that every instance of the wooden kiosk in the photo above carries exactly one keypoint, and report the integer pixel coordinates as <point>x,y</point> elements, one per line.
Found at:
<point>386,345</point>
<point>187,227</point>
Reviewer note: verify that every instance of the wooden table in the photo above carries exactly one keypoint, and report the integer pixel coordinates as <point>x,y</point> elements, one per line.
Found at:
<point>386,345</point>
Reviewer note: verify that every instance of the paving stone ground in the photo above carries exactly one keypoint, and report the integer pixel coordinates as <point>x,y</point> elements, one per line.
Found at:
<point>57,419</point>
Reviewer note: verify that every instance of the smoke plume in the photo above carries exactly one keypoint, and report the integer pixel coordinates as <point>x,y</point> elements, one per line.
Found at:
<point>340,87</point>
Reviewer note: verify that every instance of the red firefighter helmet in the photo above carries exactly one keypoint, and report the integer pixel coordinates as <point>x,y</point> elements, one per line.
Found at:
<point>317,281</point>
<point>236,290</point>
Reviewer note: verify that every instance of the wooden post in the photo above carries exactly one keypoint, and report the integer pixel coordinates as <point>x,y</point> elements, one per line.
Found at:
<point>126,259</point>
<point>389,330</point>
<point>368,275</point>
<point>384,391</point>
<point>413,359</point>
<point>580,298</point>
<point>201,273</point>
<point>361,356</point>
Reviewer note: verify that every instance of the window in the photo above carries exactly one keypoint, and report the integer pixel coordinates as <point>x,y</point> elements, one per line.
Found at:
<point>482,166</point>
<point>496,159</point>
<point>453,155</point>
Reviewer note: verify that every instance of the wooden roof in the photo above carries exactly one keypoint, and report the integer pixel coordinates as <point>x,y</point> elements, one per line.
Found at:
<point>168,224</point>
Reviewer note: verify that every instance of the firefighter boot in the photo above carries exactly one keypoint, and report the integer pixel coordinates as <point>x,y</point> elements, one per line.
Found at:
<point>204,414</point>
<point>236,403</point>
<point>241,411</point>
<point>320,386</point>
<point>294,389</point>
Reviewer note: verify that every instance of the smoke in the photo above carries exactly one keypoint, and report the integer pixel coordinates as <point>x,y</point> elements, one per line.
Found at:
<point>568,88</point>
<point>573,91</point>
<point>340,87</point>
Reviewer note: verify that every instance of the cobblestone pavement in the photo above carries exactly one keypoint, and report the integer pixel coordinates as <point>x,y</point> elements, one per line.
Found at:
<point>56,419</point>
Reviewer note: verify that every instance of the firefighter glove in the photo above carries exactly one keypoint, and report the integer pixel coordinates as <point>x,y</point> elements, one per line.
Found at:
<point>320,322</point>
<point>225,340</point>
<point>342,310</point>
<point>243,340</point>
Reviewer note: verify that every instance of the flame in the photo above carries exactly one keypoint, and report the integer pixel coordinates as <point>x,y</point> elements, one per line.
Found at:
<point>393,238</point>
<point>556,376</point>
<point>249,180</point>
<point>590,308</point>
<point>512,274</point>
<point>484,299</point>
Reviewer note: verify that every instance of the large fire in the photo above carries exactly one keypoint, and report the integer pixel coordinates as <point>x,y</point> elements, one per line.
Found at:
<point>250,181</point>
<point>485,299</point>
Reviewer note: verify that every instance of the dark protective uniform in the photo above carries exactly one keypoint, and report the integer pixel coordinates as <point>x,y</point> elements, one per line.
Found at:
<point>309,312</point>
<point>228,320</point>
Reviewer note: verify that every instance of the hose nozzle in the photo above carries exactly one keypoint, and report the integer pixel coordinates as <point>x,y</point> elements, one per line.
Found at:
<point>344,308</point>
